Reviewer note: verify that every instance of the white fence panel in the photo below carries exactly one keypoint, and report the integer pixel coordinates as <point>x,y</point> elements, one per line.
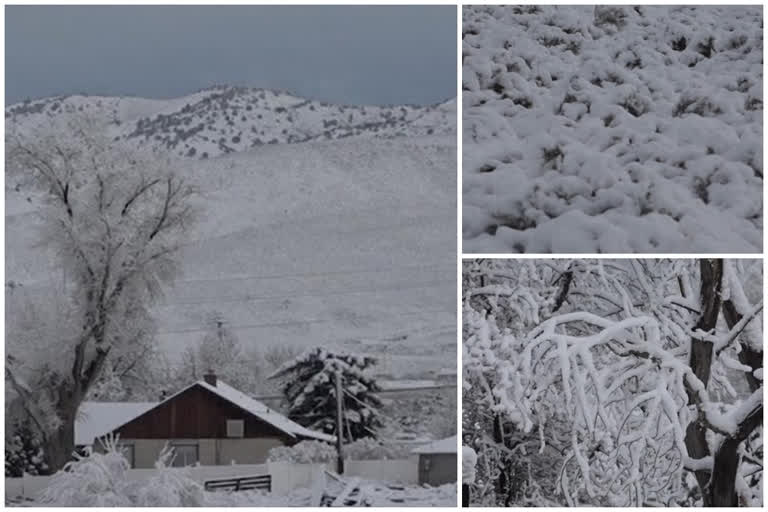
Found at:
<point>405,471</point>
<point>286,476</point>
<point>204,473</point>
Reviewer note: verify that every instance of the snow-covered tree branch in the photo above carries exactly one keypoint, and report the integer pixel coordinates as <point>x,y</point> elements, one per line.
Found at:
<point>639,371</point>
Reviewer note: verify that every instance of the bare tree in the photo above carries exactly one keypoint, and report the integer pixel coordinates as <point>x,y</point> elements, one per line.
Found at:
<point>115,217</point>
<point>219,350</point>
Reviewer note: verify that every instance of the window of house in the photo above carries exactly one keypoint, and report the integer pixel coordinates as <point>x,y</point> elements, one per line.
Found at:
<point>235,428</point>
<point>128,452</point>
<point>186,454</point>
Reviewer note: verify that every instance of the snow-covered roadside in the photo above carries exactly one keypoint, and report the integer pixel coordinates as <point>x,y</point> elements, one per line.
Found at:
<point>375,494</point>
<point>612,129</point>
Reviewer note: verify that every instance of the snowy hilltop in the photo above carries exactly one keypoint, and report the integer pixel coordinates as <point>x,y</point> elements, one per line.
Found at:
<point>340,239</point>
<point>612,129</point>
<point>225,119</point>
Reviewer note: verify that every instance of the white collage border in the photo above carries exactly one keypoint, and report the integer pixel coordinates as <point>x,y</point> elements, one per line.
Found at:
<point>459,255</point>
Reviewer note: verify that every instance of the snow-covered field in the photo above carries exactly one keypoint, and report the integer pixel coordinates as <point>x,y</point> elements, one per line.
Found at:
<point>336,242</point>
<point>612,129</point>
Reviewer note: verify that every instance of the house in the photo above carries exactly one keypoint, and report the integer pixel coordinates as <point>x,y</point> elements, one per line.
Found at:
<point>437,462</point>
<point>209,422</point>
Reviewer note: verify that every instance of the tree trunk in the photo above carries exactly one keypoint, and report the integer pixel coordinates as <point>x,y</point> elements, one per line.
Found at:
<point>718,485</point>
<point>727,459</point>
<point>60,445</point>
<point>723,485</point>
<point>747,356</point>
<point>701,364</point>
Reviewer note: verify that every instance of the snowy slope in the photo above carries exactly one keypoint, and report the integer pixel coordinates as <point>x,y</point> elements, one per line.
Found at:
<point>612,129</point>
<point>344,242</point>
<point>226,119</point>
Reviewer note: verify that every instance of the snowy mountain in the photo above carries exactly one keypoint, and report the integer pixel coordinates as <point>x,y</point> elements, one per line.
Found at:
<point>223,119</point>
<point>612,129</point>
<point>342,239</point>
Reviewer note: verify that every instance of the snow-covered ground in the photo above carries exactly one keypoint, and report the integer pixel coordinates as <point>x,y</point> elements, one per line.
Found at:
<point>612,129</point>
<point>342,242</point>
<point>105,479</point>
<point>376,494</point>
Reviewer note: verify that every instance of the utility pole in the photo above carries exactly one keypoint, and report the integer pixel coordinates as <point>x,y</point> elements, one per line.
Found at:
<point>339,425</point>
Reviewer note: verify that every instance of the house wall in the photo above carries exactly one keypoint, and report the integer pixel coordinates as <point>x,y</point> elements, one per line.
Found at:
<point>246,451</point>
<point>437,468</point>
<point>195,414</point>
<point>211,452</point>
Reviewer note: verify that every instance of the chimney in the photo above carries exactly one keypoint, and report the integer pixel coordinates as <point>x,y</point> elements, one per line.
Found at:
<point>210,378</point>
<point>163,395</point>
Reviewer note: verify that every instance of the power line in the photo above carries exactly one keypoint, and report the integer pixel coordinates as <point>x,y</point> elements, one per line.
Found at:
<point>293,322</point>
<point>247,298</point>
<point>256,277</point>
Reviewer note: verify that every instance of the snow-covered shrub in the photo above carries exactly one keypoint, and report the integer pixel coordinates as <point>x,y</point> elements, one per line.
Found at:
<point>94,480</point>
<point>371,449</point>
<point>101,480</point>
<point>692,104</point>
<point>169,486</point>
<point>552,157</point>
<point>305,452</point>
<point>610,15</point>
<point>636,104</point>
<point>706,47</point>
<point>24,452</point>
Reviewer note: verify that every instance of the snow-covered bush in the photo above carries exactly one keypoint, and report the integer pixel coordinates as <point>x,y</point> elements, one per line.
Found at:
<point>93,480</point>
<point>169,486</point>
<point>305,452</point>
<point>101,480</point>
<point>610,15</point>
<point>371,449</point>
<point>24,452</point>
<point>310,452</point>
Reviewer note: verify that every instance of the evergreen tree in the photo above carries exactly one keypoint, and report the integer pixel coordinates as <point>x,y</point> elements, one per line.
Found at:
<point>24,452</point>
<point>310,388</point>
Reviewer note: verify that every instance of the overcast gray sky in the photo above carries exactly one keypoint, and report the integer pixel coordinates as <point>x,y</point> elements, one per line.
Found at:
<point>340,54</point>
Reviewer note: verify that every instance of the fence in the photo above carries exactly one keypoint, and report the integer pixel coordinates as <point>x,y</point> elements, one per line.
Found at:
<point>286,476</point>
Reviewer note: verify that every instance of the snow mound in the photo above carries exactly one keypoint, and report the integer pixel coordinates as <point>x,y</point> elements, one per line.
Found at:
<point>612,129</point>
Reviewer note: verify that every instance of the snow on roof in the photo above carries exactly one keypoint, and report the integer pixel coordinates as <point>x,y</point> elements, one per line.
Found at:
<point>261,411</point>
<point>447,445</point>
<point>94,419</point>
<point>100,418</point>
